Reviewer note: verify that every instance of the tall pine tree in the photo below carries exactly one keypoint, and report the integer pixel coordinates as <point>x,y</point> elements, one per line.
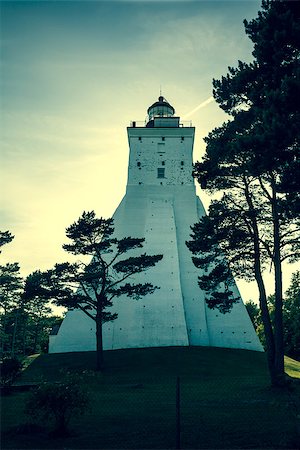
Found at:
<point>254,158</point>
<point>92,286</point>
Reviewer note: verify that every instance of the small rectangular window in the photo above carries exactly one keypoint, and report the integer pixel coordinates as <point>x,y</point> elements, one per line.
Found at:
<point>163,163</point>
<point>140,138</point>
<point>163,138</point>
<point>161,172</point>
<point>182,163</point>
<point>138,164</point>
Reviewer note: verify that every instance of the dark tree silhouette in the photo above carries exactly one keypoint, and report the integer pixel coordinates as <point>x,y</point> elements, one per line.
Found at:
<point>254,159</point>
<point>5,238</point>
<point>92,286</point>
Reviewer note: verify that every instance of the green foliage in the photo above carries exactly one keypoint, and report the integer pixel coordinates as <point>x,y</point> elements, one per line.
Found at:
<point>254,158</point>
<point>136,264</point>
<point>90,235</point>
<point>291,317</point>
<point>262,99</point>
<point>11,282</point>
<point>25,321</point>
<point>5,238</point>
<point>92,287</point>
<point>223,249</point>
<point>256,318</point>
<point>9,369</point>
<point>135,291</point>
<point>253,311</point>
<point>58,402</point>
<point>11,285</point>
<point>26,331</point>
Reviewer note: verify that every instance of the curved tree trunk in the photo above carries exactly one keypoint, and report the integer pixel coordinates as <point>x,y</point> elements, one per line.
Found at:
<point>268,330</point>
<point>265,315</point>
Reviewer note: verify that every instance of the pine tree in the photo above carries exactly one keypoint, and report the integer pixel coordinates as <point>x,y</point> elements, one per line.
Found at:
<point>255,158</point>
<point>92,286</point>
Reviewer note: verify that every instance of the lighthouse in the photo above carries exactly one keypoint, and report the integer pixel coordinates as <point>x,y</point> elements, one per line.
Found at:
<point>160,205</point>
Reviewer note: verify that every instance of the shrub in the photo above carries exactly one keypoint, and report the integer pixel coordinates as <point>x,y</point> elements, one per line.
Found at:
<point>10,368</point>
<point>58,402</point>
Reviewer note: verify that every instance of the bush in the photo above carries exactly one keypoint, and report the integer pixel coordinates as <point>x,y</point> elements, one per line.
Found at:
<point>10,368</point>
<point>58,402</point>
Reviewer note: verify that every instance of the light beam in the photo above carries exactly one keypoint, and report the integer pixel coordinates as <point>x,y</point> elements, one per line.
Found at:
<point>206,102</point>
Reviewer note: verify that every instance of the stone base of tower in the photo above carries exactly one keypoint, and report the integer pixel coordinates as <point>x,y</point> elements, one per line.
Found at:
<point>176,314</point>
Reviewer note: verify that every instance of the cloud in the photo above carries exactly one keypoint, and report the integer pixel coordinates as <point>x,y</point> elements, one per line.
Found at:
<point>202,105</point>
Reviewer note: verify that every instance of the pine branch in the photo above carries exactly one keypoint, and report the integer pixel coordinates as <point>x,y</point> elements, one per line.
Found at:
<point>266,246</point>
<point>86,312</point>
<point>267,195</point>
<point>120,280</point>
<point>292,256</point>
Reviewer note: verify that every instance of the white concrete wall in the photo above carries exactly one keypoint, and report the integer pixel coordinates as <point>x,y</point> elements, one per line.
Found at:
<point>161,210</point>
<point>165,148</point>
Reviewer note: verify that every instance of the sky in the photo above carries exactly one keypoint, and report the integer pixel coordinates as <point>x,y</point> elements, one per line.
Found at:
<point>73,76</point>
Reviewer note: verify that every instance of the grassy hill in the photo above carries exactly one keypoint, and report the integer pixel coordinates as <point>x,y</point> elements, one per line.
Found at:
<point>226,401</point>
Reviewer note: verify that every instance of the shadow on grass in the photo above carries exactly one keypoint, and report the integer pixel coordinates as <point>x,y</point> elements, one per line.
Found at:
<point>226,401</point>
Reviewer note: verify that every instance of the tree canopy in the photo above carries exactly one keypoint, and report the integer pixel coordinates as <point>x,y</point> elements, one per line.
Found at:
<point>92,286</point>
<point>5,238</point>
<point>254,159</point>
<point>291,317</point>
<point>25,323</point>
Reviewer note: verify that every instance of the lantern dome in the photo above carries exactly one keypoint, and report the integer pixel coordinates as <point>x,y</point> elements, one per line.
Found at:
<point>161,108</point>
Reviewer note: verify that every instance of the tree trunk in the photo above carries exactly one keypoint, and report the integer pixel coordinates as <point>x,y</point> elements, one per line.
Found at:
<point>99,342</point>
<point>265,315</point>
<point>25,334</point>
<point>14,334</point>
<point>61,426</point>
<point>278,319</point>
<point>3,332</point>
<point>268,330</point>
<point>36,335</point>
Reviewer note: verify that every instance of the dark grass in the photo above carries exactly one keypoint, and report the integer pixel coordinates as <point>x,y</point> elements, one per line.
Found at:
<point>226,401</point>
<point>174,361</point>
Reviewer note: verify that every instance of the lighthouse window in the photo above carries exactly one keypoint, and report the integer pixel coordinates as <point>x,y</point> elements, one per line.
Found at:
<point>182,163</point>
<point>161,172</point>
<point>163,163</point>
<point>140,138</point>
<point>163,138</point>
<point>138,164</point>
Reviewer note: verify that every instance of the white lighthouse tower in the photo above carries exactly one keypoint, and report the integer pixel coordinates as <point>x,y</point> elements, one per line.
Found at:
<point>160,205</point>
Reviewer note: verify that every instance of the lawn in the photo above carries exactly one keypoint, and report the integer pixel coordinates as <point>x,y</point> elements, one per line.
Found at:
<point>225,401</point>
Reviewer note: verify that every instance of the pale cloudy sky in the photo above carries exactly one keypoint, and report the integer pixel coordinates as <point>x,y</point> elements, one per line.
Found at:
<point>73,76</point>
